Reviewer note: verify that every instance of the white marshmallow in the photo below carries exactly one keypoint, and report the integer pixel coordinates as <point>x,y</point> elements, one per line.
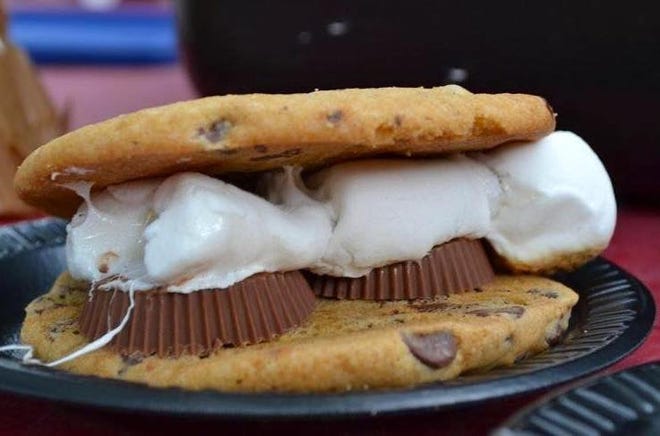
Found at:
<point>530,200</point>
<point>105,237</point>
<point>557,199</point>
<point>210,234</point>
<point>206,234</point>
<point>393,210</point>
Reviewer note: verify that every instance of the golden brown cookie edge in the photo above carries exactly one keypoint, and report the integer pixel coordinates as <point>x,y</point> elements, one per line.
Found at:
<point>248,133</point>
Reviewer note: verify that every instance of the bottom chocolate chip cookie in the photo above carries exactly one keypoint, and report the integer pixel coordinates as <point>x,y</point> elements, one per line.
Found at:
<point>345,345</point>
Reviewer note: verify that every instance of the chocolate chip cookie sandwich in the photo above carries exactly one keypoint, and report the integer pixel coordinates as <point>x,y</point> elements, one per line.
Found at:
<point>328,241</point>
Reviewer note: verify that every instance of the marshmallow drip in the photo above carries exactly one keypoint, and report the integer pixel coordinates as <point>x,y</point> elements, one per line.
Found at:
<point>531,200</point>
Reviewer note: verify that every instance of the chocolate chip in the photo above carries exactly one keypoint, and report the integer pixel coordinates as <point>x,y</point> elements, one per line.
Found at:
<point>216,131</point>
<point>478,290</point>
<point>59,327</point>
<point>128,361</point>
<point>515,311</point>
<point>547,293</point>
<point>555,336</point>
<point>132,359</point>
<point>260,148</point>
<point>521,356</point>
<point>105,261</point>
<point>398,120</point>
<point>286,153</point>
<point>335,117</point>
<point>432,307</point>
<point>435,350</point>
<point>228,151</point>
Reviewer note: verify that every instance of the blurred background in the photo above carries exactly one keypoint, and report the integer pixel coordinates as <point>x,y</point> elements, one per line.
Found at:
<point>596,62</point>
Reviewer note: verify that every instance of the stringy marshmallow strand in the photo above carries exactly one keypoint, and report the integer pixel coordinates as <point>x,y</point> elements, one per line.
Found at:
<point>191,231</point>
<point>86,349</point>
<point>106,236</point>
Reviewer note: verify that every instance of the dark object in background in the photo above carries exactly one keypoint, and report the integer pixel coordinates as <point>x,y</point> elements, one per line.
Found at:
<point>596,62</point>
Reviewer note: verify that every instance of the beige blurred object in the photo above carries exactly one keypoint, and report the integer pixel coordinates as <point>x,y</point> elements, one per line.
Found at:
<point>27,119</point>
<point>3,19</point>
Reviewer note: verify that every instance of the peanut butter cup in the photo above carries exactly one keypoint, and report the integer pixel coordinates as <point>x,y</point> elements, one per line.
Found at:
<point>453,267</point>
<point>170,324</point>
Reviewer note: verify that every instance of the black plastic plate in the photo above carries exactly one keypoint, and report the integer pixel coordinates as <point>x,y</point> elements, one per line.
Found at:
<point>626,403</point>
<point>614,315</point>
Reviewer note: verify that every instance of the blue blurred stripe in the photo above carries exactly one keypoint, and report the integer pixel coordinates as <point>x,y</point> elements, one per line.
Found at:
<point>74,36</point>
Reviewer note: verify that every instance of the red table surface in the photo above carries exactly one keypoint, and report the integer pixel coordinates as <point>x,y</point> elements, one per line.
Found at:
<point>98,93</point>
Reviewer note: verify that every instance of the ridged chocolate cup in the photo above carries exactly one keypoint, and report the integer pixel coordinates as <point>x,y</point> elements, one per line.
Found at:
<point>456,266</point>
<point>170,324</point>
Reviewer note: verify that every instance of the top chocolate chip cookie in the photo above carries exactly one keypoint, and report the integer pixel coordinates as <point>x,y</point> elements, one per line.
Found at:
<point>247,133</point>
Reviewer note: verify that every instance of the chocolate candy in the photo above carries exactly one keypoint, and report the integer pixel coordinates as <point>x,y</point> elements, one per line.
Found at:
<point>169,324</point>
<point>456,266</point>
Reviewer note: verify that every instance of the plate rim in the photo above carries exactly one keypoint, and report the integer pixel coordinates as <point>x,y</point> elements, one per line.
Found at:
<point>123,396</point>
<point>520,416</point>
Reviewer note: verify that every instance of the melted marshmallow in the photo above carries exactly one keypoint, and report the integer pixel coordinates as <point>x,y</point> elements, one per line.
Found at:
<point>106,237</point>
<point>193,232</point>
<point>212,234</point>
<point>531,200</point>
<point>556,198</point>
<point>393,210</point>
